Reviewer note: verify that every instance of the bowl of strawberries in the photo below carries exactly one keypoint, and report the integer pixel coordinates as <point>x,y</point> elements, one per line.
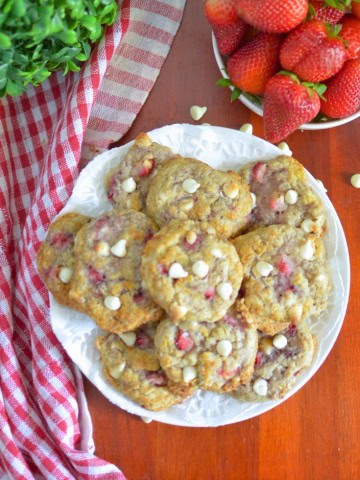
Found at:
<point>294,62</point>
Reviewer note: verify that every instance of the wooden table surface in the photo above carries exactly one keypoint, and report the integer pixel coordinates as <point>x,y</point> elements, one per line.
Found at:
<point>316,433</point>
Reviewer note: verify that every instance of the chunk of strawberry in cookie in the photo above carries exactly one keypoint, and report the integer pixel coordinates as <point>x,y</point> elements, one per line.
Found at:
<point>258,172</point>
<point>157,378</point>
<point>184,341</point>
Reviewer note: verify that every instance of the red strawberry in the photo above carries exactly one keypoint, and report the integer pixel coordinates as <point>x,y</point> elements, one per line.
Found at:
<point>209,293</point>
<point>342,97</point>
<point>311,53</point>
<point>325,13</point>
<point>146,168</point>
<point>355,8</point>
<point>156,378</point>
<point>229,37</point>
<point>254,63</point>
<point>220,12</point>
<point>287,105</point>
<point>275,16</point>
<point>350,32</point>
<point>143,340</point>
<point>184,341</point>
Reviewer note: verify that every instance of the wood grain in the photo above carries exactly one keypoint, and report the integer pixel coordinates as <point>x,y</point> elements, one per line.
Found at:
<point>314,434</point>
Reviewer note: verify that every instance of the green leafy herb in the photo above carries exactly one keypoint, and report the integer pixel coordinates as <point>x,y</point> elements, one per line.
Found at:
<point>38,37</point>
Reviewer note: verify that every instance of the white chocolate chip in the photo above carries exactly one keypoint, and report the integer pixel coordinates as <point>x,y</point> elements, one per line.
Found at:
<point>190,185</point>
<point>117,370</point>
<point>146,419</point>
<point>129,338</point>
<point>307,225</point>
<point>291,197</point>
<point>191,237</point>
<point>224,348</point>
<point>321,278</point>
<point>321,185</point>
<point>231,190</point>
<point>200,268</point>
<point>263,268</point>
<point>112,303</point>
<point>355,180</point>
<point>285,148</point>
<point>260,387</point>
<point>129,185</point>
<point>253,198</point>
<point>197,112</point>
<point>103,249</point>
<point>224,290</point>
<point>177,311</point>
<point>205,124</point>
<point>66,274</point>
<point>279,341</point>
<point>186,205</point>
<point>176,271</point>
<point>217,253</point>
<point>189,373</point>
<point>119,249</point>
<point>247,128</point>
<point>307,250</point>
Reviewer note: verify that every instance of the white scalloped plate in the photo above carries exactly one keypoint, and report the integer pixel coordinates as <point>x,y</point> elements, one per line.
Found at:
<point>224,149</point>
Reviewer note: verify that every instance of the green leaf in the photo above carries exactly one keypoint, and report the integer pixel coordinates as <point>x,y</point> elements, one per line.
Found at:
<point>253,98</point>
<point>235,94</point>
<point>224,82</point>
<point>5,41</point>
<point>67,36</point>
<point>12,89</point>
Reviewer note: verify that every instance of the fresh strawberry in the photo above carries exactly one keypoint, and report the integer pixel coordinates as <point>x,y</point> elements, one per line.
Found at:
<point>220,12</point>
<point>229,37</point>
<point>184,341</point>
<point>355,8</point>
<point>312,53</point>
<point>342,97</point>
<point>350,32</point>
<point>275,16</point>
<point>325,13</point>
<point>287,105</point>
<point>254,63</point>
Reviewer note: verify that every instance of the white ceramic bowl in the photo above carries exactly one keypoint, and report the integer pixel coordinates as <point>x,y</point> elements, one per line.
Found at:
<point>259,108</point>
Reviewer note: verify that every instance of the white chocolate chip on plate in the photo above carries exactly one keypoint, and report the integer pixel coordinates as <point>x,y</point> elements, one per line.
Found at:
<point>102,249</point>
<point>263,268</point>
<point>190,185</point>
<point>129,338</point>
<point>119,249</point>
<point>176,271</point>
<point>307,251</point>
<point>247,128</point>
<point>285,148</point>
<point>224,348</point>
<point>200,269</point>
<point>197,112</point>
<point>217,253</point>
<point>291,197</point>
<point>129,185</point>
<point>117,370</point>
<point>260,387</point>
<point>146,419</point>
<point>279,341</point>
<point>307,225</point>
<point>224,290</point>
<point>253,198</point>
<point>66,274</point>
<point>189,373</point>
<point>112,303</point>
<point>231,190</point>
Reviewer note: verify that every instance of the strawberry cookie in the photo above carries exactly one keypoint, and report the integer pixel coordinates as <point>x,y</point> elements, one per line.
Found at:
<point>211,356</point>
<point>282,195</point>
<point>278,361</point>
<point>189,189</point>
<point>128,183</point>
<point>107,280</point>
<point>190,272</point>
<point>285,276</point>
<point>55,258</point>
<point>130,365</point>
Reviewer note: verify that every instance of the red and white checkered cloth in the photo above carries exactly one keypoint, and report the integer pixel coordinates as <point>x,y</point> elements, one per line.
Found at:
<point>45,428</point>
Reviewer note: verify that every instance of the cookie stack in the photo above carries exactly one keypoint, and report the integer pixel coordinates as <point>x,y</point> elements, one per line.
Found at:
<point>201,278</point>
